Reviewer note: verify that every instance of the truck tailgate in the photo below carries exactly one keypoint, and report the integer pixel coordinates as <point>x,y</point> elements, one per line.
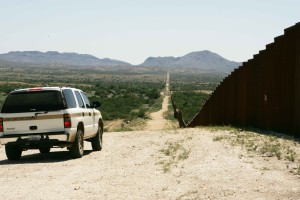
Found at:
<point>35,122</point>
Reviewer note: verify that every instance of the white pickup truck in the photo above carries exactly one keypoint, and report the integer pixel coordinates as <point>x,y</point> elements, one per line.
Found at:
<point>46,117</point>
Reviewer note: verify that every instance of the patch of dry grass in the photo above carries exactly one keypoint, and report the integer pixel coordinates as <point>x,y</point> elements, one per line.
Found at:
<point>174,152</point>
<point>266,145</point>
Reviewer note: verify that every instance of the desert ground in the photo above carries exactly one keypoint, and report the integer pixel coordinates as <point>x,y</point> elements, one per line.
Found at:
<point>160,164</point>
<point>156,163</point>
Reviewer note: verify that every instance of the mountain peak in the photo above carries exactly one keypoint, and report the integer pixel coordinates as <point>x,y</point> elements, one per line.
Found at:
<point>203,60</point>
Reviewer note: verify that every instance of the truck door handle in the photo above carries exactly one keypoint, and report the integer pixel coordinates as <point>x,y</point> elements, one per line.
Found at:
<point>83,114</point>
<point>90,114</point>
<point>33,128</point>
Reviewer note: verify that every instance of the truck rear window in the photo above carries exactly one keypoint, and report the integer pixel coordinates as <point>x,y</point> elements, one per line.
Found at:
<point>33,102</point>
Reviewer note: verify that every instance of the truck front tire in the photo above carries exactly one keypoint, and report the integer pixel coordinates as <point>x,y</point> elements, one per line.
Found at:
<point>97,140</point>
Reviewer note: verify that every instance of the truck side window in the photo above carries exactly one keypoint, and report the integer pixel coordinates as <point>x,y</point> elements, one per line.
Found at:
<point>79,99</point>
<point>86,100</point>
<point>69,96</point>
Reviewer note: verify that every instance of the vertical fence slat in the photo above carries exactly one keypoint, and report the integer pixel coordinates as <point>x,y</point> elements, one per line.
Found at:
<point>296,126</point>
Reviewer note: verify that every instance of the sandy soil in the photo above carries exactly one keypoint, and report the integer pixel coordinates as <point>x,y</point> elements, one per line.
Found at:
<point>132,166</point>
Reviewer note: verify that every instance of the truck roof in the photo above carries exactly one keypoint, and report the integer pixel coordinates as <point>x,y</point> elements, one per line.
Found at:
<point>41,89</point>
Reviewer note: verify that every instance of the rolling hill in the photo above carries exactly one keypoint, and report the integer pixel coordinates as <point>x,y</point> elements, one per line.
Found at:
<point>56,59</point>
<point>206,61</point>
<point>200,61</point>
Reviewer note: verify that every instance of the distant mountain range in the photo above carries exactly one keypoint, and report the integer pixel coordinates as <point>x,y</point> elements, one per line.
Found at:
<point>54,58</point>
<point>204,61</point>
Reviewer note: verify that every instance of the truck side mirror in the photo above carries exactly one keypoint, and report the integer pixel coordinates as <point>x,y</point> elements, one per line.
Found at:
<point>96,104</point>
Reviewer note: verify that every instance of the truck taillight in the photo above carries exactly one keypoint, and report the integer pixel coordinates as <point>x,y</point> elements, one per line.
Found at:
<point>35,89</point>
<point>1,125</point>
<point>67,121</point>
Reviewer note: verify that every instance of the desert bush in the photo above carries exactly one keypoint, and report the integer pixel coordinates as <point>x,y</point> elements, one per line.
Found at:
<point>189,103</point>
<point>128,100</point>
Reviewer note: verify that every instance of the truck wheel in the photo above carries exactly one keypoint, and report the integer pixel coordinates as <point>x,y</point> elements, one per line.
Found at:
<point>76,150</point>
<point>13,152</point>
<point>44,150</point>
<point>97,140</point>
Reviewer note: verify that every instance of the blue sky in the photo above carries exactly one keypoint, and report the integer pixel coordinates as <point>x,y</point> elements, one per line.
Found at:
<point>132,30</point>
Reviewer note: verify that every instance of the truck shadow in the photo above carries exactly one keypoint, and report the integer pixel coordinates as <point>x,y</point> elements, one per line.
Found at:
<point>51,157</point>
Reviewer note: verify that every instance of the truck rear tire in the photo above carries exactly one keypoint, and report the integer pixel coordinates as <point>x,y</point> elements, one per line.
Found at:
<point>97,140</point>
<point>13,152</point>
<point>77,149</point>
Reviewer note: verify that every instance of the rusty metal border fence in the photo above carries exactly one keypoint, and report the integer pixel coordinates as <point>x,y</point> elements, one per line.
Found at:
<point>263,92</point>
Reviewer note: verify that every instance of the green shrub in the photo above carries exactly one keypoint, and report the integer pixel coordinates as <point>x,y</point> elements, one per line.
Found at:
<point>128,100</point>
<point>189,103</point>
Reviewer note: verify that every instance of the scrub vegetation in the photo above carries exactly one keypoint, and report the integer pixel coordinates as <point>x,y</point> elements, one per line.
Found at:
<point>190,92</point>
<point>123,95</point>
<point>128,100</point>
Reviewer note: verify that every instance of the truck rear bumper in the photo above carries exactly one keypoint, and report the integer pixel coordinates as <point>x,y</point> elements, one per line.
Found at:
<point>36,137</point>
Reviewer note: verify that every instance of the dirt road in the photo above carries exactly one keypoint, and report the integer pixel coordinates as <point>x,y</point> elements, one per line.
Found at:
<point>157,121</point>
<point>174,164</point>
